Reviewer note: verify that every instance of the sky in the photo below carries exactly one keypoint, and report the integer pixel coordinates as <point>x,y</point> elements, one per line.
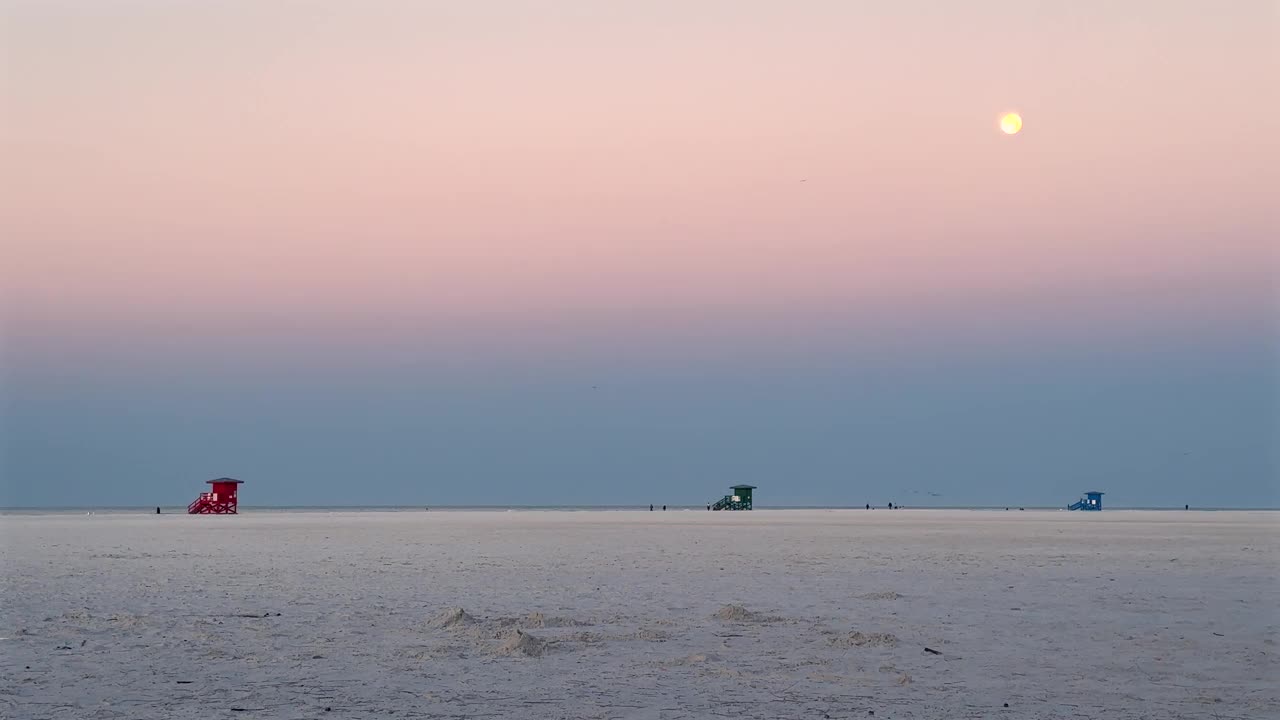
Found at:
<point>519,252</point>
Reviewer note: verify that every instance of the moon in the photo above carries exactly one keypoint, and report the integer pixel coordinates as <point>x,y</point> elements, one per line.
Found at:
<point>1011,123</point>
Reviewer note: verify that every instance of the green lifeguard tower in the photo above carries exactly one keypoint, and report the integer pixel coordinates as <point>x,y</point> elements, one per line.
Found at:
<point>739,499</point>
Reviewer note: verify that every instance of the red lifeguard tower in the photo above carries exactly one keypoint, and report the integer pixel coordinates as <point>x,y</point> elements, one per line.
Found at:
<point>220,500</point>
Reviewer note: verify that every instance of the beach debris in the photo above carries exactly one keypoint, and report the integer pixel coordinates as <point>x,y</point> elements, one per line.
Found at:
<point>584,637</point>
<point>1219,634</point>
<point>647,635</point>
<point>886,595</point>
<point>931,651</point>
<point>258,615</point>
<point>739,614</point>
<point>185,682</point>
<point>698,659</point>
<point>861,639</point>
<point>522,643</point>
<point>904,679</point>
<point>539,620</point>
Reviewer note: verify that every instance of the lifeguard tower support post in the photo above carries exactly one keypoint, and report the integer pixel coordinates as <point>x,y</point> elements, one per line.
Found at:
<point>1092,500</point>
<point>740,499</point>
<point>222,499</point>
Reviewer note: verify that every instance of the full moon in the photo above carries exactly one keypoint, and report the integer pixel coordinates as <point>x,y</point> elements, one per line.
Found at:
<point>1011,123</point>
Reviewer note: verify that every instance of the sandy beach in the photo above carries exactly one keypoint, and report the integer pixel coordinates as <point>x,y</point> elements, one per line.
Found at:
<point>767,614</point>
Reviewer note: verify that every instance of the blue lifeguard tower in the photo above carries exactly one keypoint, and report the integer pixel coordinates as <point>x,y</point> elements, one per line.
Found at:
<point>1092,500</point>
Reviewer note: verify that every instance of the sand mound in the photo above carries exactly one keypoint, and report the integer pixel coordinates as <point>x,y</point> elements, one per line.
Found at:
<point>538,620</point>
<point>739,614</point>
<point>886,595</point>
<point>861,639</point>
<point>451,618</point>
<point>522,643</point>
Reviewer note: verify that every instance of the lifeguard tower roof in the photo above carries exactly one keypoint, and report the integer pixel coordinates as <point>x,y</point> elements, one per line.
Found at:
<point>743,487</point>
<point>1094,492</point>
<point>224,480</point>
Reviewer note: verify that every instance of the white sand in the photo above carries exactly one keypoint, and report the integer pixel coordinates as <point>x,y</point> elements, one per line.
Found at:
<point>622,615</point>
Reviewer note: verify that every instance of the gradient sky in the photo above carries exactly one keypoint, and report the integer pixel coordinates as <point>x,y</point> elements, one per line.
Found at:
<point>596,252</point>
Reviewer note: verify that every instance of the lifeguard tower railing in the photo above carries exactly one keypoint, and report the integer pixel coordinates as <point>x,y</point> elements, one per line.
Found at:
<point>198,504</point>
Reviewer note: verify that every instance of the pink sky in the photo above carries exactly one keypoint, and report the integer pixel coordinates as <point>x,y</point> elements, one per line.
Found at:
<point>486,169</point>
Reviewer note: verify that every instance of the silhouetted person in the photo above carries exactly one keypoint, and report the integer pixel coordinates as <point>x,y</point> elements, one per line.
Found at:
<point>157,511</point>
<point>868,506</point>
<point>708,507</point>
<point>890,506</point>
<point>664,508</point>
<point>1186,507</point>
<point>650,507</point>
